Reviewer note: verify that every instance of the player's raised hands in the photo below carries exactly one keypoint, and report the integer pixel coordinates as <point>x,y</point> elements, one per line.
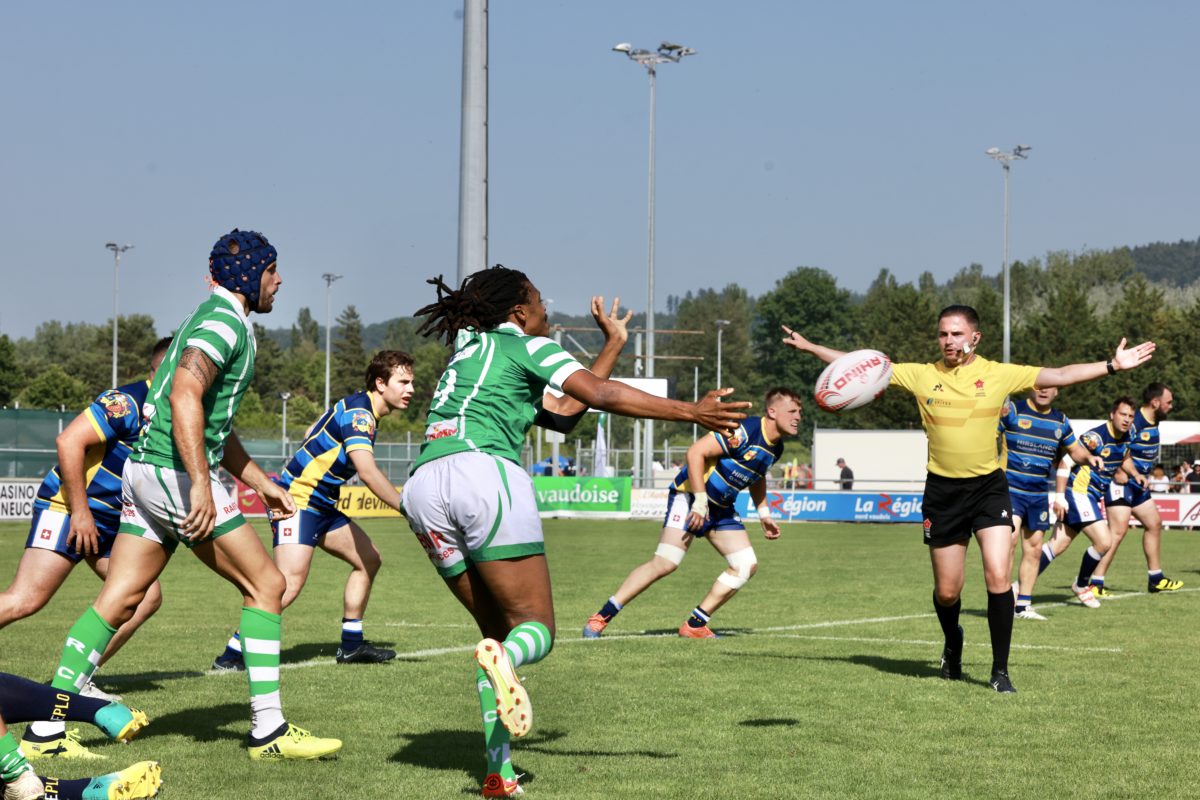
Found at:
<point>717,416</point>
<point>1128,358</point>
<point>794,339</point>
<point>614,327</point>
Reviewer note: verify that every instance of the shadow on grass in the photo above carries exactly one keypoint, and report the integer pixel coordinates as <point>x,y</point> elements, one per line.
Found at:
<point>145,681</point>
<point>769,723</point>
<point>205,724</point>
<point>452,749</point>
<point>907,667</point>
<point>721,632</point>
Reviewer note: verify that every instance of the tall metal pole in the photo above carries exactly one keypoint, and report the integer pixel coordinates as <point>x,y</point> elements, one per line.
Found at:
<point>667,52</point>
<point>284,396</point>
<point>329,278</point>
<point>721,323</point>
<point>1005,160</point>
<point>648,448</point>
<point>117,251</point>
<point>1007,299</point>
<point>473,152</point>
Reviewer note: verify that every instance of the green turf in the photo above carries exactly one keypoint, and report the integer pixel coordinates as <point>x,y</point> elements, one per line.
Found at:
<point>824,686</point>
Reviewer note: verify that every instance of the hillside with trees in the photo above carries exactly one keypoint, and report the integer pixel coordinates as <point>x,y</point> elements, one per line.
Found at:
<point>1066,307</point>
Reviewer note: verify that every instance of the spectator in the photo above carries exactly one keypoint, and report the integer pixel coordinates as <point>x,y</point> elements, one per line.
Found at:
<point>1179,480</point>
<point>1193,478</point>
<point>1159,482</point>
<point>804,476</point>
<point>847,476</point>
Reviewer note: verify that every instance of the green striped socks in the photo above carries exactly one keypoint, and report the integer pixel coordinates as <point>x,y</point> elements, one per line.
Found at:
<point>13,763</point>
<point>528,643</point>
<point>495,735</point>
<point>260,632</point>
<point>86,642</point>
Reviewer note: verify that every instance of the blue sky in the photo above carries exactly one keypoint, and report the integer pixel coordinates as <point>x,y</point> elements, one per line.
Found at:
<point>848,136</point>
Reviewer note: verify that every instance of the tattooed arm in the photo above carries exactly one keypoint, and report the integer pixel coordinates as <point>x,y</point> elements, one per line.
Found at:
<point>193,377</point>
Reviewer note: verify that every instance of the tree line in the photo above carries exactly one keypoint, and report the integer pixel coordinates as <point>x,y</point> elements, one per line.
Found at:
<point>1068,307</point>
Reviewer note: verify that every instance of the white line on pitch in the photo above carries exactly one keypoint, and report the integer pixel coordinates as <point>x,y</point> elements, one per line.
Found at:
<point>939,643</point>
<point>767,632</point>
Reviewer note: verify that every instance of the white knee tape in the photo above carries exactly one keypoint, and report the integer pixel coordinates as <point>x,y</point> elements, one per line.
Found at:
<point>743,562</point>
<point>732,581</point>
<point>671,553</point>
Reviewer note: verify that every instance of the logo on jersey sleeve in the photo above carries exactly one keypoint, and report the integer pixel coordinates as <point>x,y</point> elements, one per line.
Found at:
<point>1090,440</point>
<point>363,422</point>
<point>116,404</point>
<point>736,439</point>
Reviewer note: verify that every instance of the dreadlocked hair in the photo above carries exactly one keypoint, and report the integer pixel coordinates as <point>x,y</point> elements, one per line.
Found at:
<point>482,302</point>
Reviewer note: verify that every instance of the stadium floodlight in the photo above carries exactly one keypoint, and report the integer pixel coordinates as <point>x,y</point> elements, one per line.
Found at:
<point>117,250</point>
<point>667,52</point>
<point>1005,160</point>
<point>329,278</point>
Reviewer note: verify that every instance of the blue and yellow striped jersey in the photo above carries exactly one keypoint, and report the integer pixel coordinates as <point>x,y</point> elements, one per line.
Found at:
<point>315,475</point>
<point>1032,441</point>
<point>1144,443</point>
<point>1104,442</point>
<point>116,415</point>
<point>746,457</point>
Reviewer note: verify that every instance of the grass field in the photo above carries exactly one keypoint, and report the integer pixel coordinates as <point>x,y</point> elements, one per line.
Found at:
<point>824,685</point>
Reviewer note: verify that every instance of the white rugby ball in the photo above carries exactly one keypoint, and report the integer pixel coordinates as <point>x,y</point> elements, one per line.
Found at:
<point>853,380</point>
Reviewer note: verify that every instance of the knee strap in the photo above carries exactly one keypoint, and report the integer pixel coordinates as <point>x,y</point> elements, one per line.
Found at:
<point>671,553</point>
<point>742,562</point>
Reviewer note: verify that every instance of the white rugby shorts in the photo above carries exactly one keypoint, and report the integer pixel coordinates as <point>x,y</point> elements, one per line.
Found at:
<point>471,506</point>
<point>155,500</point>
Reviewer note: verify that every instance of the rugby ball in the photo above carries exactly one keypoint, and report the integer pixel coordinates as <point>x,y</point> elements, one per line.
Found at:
<point>853,380</point>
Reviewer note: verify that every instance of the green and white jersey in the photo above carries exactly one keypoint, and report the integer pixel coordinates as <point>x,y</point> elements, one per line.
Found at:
<point>491,391</point>
<point>220,329</point>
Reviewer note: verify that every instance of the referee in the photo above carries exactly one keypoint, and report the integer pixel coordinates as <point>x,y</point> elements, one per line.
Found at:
<point>960,398</point>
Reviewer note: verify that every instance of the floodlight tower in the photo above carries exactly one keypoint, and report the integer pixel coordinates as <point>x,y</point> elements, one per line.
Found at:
<point>117,250</point>
<point>1005,160</point>
<point>668,52</point>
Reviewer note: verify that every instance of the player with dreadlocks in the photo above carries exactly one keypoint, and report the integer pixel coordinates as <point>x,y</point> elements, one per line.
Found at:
<point>471,504</point>
<point>170,493</point>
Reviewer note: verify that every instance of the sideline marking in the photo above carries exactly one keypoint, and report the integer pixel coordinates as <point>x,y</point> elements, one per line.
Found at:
<point>773,632</point>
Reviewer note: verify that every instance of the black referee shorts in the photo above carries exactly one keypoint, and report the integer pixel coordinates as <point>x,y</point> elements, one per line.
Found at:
<point>955,508</point>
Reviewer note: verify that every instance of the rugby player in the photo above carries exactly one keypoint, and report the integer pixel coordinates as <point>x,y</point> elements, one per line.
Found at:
<point>701,503</point>
<point>22,700</point>
<point>1088,487</point>
<point>1034,435</point>
<point>75,518</point>
<point>470,503</point>
<point>170,492</point>
<point>959,398</point>
<point>340,444</point>
<point>1133,497</point>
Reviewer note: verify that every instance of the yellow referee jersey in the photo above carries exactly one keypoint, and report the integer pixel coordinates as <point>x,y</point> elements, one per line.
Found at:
<point>960,409</point>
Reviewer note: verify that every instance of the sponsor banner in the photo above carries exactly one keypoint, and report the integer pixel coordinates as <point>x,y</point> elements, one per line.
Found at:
<point>1177,510</point>
<point>582,496</point>
<point>353,501</point>
<point>649,503</point>
<point>836,506</point>
<point>248,501</point>
<point>16,499</point>
<point>359,501</point>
